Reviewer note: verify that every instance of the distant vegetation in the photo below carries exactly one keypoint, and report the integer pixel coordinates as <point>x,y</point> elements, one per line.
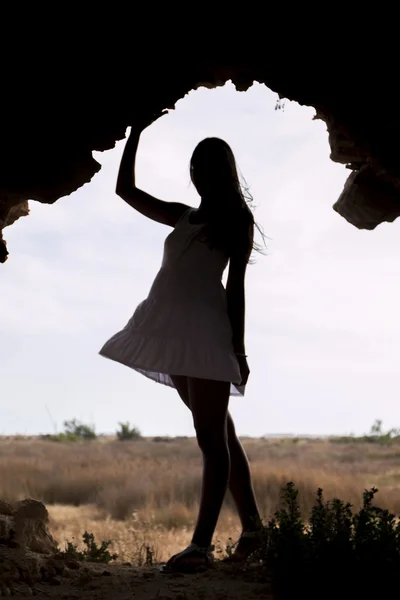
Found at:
<point>162,481</point>
<point>144,496</point>
<point>376,436</point>
<point>128,433</point>
<point>74,431</point>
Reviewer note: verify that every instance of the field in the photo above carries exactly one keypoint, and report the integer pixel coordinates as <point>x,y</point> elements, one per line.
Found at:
<point>143,495</point>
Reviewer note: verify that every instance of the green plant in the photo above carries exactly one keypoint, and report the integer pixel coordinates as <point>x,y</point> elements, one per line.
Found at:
<point>75,428</point>
<point>74,431</point>
<point>128,433</point>
<point>358,553</point>
<point>92,552</point>
<point>376,436</point>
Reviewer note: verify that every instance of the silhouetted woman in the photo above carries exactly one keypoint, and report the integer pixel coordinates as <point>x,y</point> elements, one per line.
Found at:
<point>189,332</point>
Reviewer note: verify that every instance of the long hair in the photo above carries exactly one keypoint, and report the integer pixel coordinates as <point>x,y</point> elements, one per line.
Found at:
<point>214,173</point>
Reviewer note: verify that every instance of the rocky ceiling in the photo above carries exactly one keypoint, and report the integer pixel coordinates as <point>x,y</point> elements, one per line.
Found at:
<point>65,97</point>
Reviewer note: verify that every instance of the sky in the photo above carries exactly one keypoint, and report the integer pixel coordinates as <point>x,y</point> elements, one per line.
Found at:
<point>322,322</point>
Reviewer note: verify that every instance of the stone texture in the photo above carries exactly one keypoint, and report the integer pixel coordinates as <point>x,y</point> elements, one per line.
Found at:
<point>31,527</point>
<point>55,113</point>
<point>6,508</point>
<point>11,209</point>
<point>357,203</point>
<point>25,525</point>
<point>6,528</point>
<point>26,546</point>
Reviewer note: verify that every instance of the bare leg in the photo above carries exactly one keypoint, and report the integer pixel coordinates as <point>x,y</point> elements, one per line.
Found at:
<point>209,405</point>
<point>240,483</point>
<point>208,401</point>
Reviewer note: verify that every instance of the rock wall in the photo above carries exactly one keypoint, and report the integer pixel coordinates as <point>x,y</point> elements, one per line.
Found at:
<point>10,211</point>
<point>74,91</point>
<point>26,546</point>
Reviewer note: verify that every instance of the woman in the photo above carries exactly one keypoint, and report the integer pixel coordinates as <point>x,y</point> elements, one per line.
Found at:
<point>189,332</point>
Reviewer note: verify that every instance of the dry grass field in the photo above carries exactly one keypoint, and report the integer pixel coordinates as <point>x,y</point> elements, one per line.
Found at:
<point>143,495</point>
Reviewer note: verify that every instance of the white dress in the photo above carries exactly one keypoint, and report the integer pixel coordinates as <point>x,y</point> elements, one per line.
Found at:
<point>182,327</point>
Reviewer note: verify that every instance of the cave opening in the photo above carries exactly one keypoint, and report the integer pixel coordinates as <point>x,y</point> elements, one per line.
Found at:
<point>85,261</point>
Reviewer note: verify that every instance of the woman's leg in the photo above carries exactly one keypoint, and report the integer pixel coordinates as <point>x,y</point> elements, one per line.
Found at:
<point>241,488</point>
<point>240,483</point>
<point>209,405</point>
<point>181,384</point>
<point>208,402</point>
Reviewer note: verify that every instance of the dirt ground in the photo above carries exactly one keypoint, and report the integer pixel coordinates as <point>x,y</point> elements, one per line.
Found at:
<point>123,582</point>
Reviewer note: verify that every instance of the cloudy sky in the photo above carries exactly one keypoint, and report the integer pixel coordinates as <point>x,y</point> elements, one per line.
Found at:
<point>323,327</point>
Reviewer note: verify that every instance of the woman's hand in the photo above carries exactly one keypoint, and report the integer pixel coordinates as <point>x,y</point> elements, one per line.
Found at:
<point>244,369</point>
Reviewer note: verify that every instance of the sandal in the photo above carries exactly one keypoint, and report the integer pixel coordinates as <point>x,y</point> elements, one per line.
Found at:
<point>247,544</point>
<point>198,560</point>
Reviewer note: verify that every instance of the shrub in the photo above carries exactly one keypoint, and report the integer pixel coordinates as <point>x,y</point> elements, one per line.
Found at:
<point>356,553</point>
<point>128,433</point>
<point>92,552</point>
<point>74,431</point>
<point>84,432</point>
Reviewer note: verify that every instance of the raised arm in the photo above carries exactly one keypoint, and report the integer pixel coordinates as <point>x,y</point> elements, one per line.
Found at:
<point>167,213</point>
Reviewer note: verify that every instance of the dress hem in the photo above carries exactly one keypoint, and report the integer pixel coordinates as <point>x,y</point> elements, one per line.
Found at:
<point>234,391</point>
